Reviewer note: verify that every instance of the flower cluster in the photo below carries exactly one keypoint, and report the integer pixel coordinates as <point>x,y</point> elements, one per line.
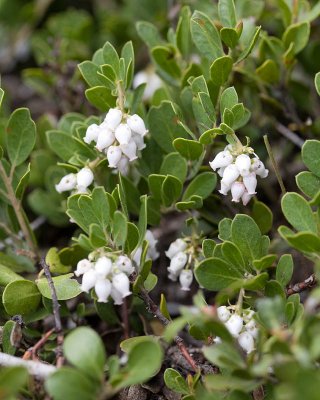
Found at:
<point>178,260</point>
<point>242,327</point>
<point>78,182</point>
<point>108,277</point>
<point>239,173</point>
<point>152,253</point>
<point>119,136</point>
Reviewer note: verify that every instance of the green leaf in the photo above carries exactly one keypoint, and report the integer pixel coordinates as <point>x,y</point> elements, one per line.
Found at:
<point>110,56</point>
<point>310,156</point>
<point>89,71</point>
<point>84,349</point>
<point>170,190</point>
<point>163,307</point>
<point>101,97</point>
<point>317,82</point>
<point>208,246</point>
<point>143,218</point>
<point>127,53</point>
<point>183,33</point>
<point>308,183</point>
<point>205,36</point>
<point>175,165</point>
<point>227,13</point>
<point>268,71</point>
<point>7,275</point>
<point>229,98</point>
<point>164,58</point>
<point>298,212</point>
<point>233,256</point>
<point>229,37</point>
<point>202,185</point>
<point>66,288</point>
<point>21,297</point>
<point>174,381</point>
<point>274,289</point>
<point>21,136</point>
<point>225,229</point>
<point>215,274</point>
<point>12,380</point>
<point>224,355</point>
<point>252,41</point>
<point>190,149</point>
<point>23,182</point>
<point>7,341</point>
<point>132,237</point>
<point>264,262</point>
<point>149,34</point>
<point>304,241</point>
<point>298,34</point>
<point>53,261</point>
<point>284,269</point>
<point>262,216</point>
<point>220,70</point>
<point>119,228</point>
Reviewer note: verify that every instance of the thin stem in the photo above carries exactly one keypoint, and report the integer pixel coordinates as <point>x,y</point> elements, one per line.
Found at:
<point>121,96</point>
<point>240,301</point>
<point>301,286</point>
<point>125,319</point>
<point>274,164</point>
<point>32,351</point>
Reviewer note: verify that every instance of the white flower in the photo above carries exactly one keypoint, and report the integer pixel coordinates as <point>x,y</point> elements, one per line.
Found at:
<point>84,177</point>
<point>117,296</point>
<point>178,262</point>
<point>221,160</point>
<point>234,325</point>
<point>258,167</point>
<point>186,278</point>
<point>68,182</point>
<point>151,79</point>
<point>103,290</point>
<point>137,256</point>
<point>105,139</point>
<point>176,247</point>
<point>223,313</point>
<point>246,197</point>
<point>92,133</point>
<point>250,182</point>
<point>221,171</point>
<point>103,266</point>
<point>123,134</point>
<point>217,340</point>
<point>237,191</point>
<point>136,124</point>
<point>138,141</point>
<point>152,251</point>
<point>130,150</point>
<point>230,174</point>
<point>124,264</point>
<point>224,189</point>
<point>243,163</point>
<point>246,341</point>
<point>83,266</point>
<point>123,165</point>
<point>114,155</point>
<point>122,284</point>
<point>89,279</point>
<point>173,277</point>
<point>251,327</point>
<point>113,118</point>
<point>81,190</point>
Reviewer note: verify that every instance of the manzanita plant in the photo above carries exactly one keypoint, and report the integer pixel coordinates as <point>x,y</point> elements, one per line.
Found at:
<point>157,199</point>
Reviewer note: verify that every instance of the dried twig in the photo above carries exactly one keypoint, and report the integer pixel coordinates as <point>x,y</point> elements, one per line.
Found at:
<point>287,133</point>
<point>56,312</point>
<point>125,319</point>
<point>32,351</point>
<point>301,286</point>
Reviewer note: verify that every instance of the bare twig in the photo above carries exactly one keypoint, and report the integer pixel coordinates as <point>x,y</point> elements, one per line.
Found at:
<point>274,164</point>
<point>301,286</point>
<point>125,319</point>
<point>32,351</point>
<point>293,137</point>
<point>154,309</point>
<point>56,312</point>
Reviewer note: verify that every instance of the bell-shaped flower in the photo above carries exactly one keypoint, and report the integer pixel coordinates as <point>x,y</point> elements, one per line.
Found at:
<point>152,251</point>
<point>89,279</point>
<point>221,171</point>
<point>122,284</point>
<point>138,141</point>
<point>250,182</point>
<point>114,154</point>
<point>136,124</point>
<point>176,247</point>
<point>103,266</point>
<point>102,289</point>
<point>130,150</point>
<point>113,118</point>
<point>84,177</point>
<point>83,266</point>
<point>234,325</point>
<point>116,296</point>
<point>92,133</point>
<point>246,197</point>
<point>223,313</point>
<point>230,174</point>
<point>173,277</point>
<point>123,134</point>
<point>123,165</point>
<point>137,256</point>
<point>246,341</point>
<point>258,167</point>
<point>185,279</point>
<point>178,262</point>
<point>243,163</point>
<point>68,182</point>
<point>224,189</point>
<point>221,160</point>
<point>124,264</point>
<point>105,139</point>
<point>251,327</point>
<point>237,191</point>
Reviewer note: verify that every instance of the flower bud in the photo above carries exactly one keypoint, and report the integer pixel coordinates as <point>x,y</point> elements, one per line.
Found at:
<point>221,171</point>
<point>223,313</point>
<point>185,279</point>
<point>83,266</point>
<point>89,279</point>
<point>246,341</point>
<point>130,150</point>
<point>103,266</point>
<point>251,327</point>
<point>178,262</point>
<point>258,167</point>
<point>116,296</point>
<point>84,177</point>
<point>92,133</point>
<point>114,155</point>
<point>224,189</point>
<point>121,283</point>
<point>246,197</point>
<point>221,160</point>
<point>123,134</point>
<point>105,139</point>
<point>103,290</point>
<point>250,182</point>
<point>113,118</point>
<point>124,264</point>
<point>176,247</point>
<point>68,182</point>
<point>123,166</point>
<point>234,325</point>
<point>139,141</point>
<point>136,123</point>
<point>230,174</point>
<point>243,163</point>
<point>237,191</point>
